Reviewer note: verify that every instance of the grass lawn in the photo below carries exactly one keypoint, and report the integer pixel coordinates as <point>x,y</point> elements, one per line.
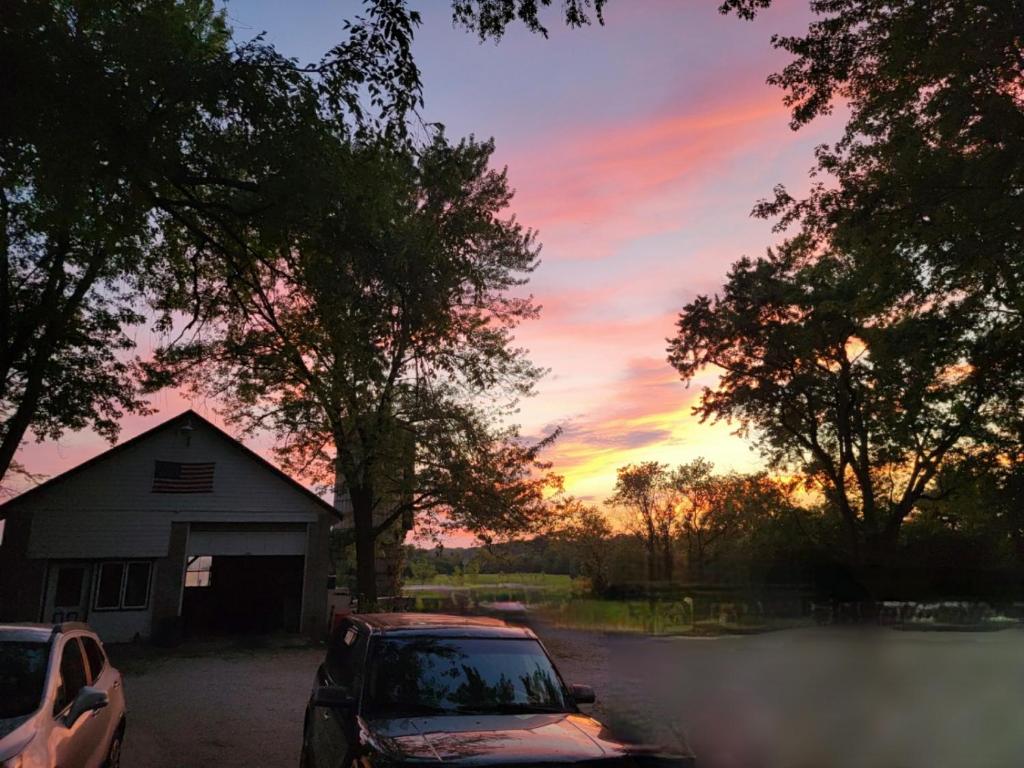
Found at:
<point>553,599</point>
<point>473,590</point>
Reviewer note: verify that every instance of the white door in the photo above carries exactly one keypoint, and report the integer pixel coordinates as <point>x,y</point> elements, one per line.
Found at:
<point>67,595</point>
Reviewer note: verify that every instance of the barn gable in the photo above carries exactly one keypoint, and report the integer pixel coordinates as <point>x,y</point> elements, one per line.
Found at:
<point>124,501</point>
<point>180,530</point>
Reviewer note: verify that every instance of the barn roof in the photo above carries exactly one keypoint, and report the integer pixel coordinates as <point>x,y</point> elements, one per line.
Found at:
<point>188,416</point>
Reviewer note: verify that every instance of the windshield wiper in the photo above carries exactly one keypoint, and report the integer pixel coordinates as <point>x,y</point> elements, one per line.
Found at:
<point>414,708</point>
<point>512,709</point>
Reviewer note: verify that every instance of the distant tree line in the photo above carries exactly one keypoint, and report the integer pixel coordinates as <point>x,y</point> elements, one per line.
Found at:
<point>752,532</point>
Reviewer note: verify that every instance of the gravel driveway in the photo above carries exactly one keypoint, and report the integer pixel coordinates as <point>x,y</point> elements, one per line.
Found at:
<point>800,698</point>
<point>231,709</point>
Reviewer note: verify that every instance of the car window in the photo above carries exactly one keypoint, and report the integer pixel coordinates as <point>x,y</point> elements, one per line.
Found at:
<point>72,675</point>
<point>22,677</point>
<point>346,655</point>
<point>449,675</point>
<point>94,654</point>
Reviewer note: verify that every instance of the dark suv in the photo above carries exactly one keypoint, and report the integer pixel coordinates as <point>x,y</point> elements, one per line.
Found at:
<point>410,689</point>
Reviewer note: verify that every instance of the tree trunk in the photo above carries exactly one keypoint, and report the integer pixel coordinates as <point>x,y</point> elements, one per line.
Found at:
<point>878,556</point>
<point>366,554</point>
<point>668,564</point>
<point>652,559</point>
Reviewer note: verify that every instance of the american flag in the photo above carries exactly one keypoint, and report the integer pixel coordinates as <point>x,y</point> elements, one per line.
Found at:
<point>176,477</point>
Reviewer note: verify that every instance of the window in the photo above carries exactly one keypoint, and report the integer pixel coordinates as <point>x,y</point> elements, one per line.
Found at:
<point>72,675</point>
<point>136,586</point>
<point>123,585</point>
<point>108,592</point>
<point>69,586</point>
<point>197,574</point>
<point>452,675</point>
<point>94,654</point>
<point>345,654</point>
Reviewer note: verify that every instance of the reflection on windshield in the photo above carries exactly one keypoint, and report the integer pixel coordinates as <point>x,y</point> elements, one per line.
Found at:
<point>22,675</point>
<point>423,676</point>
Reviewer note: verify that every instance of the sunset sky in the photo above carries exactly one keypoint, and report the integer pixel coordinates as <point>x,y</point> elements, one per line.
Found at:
<point>637,150</point>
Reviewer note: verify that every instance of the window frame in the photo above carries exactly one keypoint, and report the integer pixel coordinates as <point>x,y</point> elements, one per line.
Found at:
<point>94,674</point>
<point>208,571</point>
<point>125,569</point>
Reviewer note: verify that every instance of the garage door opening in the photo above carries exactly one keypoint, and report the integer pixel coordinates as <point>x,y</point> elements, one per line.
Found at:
<point>231,594</point>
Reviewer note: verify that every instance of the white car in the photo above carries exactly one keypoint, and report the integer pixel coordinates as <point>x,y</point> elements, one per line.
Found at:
<point>62,702</point>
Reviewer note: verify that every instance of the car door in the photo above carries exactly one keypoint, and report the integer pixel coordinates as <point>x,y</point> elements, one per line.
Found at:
<point>334,729</point>
<point>103,677</point>
<point>78,745</point>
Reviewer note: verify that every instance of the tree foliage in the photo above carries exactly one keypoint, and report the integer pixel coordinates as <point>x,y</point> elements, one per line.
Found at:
<point>587,533</point>
<point>883,341</point>
<point>97,101</point>
<point>490,18</point>
<point>134,131</point>
<point>723,513</point>
<point>866,388</point>
<point>372,332</point>
<point>643,491</point>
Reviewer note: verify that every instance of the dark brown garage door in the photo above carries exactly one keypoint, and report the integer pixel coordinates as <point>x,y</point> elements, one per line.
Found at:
<point>246,594</point>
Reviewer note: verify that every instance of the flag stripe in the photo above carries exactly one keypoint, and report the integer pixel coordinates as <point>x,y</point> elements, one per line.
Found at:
<point>176,477</point>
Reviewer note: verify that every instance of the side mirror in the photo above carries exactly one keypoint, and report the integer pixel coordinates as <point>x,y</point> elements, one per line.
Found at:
<point>89,699</point>
<point>333,696</point>
<point>582,694</point>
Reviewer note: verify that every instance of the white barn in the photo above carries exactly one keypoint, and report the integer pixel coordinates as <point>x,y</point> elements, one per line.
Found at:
<point>180,530</point>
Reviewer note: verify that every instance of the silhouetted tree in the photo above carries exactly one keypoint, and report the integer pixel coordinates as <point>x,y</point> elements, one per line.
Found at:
<point>722,514</point>
<point>643,492</point>
<point>134,134</point>
<point>868,390</point>
<point>925,183</point>
<point>375,340</point>
<point>587,532</point>
<point>889,332</point>
<point>705,517</point>
<point>95,103</point>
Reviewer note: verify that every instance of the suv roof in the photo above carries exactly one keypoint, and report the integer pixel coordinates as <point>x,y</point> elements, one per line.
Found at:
<point>439,624</point>
<point>42,632</point>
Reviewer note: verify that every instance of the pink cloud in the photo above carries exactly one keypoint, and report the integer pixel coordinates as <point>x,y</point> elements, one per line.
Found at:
<point>606,186</point>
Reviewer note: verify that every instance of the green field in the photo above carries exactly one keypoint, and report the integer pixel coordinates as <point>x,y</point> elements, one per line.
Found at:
<point>562,601</point>
<point>472,592</point>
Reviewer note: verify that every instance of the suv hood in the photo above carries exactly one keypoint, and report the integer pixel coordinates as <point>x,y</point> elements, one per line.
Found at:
<point>480,740</point>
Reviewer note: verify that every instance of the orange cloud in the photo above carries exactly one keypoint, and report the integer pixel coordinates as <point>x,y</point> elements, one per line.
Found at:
<point>646,416</point>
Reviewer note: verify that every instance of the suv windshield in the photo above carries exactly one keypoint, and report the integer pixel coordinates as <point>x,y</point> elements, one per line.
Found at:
<point>22,676</point>
<point>423,676</point>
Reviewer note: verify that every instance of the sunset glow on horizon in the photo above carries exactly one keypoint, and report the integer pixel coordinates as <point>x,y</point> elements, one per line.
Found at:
<point>637,151</point>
